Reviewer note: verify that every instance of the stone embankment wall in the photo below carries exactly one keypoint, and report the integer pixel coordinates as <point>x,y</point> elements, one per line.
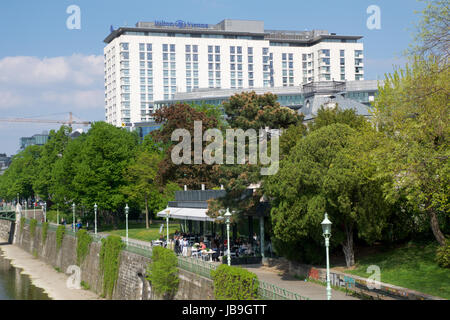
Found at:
<point>131,283</point>
<point>354,283</point>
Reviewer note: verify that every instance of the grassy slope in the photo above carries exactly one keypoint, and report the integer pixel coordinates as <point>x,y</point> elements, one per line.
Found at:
<point>138,231</point>
<point>411,266</point>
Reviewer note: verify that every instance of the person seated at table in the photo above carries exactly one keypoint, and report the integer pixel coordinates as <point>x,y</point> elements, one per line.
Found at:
<point>215,248</point>
<point>202,245</point>
<point>243,248</point>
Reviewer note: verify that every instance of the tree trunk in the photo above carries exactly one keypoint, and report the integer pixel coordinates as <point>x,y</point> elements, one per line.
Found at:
<point>435,227</point>
<point>347,247</point>
<point>146,213</point>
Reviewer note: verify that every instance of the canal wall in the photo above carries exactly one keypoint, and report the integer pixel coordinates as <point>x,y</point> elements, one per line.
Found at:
<point>131,283</point>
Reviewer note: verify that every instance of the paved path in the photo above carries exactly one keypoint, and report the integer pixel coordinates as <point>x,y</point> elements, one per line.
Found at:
<point>309,290</point>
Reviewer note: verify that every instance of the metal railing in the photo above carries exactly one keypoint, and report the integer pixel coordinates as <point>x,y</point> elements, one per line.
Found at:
<point>8,215</point>
<point>196,266</point>
<point>268,291</point>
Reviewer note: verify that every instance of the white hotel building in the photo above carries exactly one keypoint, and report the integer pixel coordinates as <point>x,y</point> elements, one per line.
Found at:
<point>155,61</point>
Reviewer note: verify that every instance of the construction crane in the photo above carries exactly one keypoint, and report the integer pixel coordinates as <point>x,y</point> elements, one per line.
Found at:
<point>69,122</point>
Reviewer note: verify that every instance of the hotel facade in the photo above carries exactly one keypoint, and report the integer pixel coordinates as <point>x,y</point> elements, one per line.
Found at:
<point>155,62</point>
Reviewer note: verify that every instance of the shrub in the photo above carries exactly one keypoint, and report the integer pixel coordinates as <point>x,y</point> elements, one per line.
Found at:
<point>443,255</point>
<point>109,262</point>
<point>84,240</point>
<point>33,224</point>
<point>44,232</point>
<point>22,223</point>
<point>234,283</point>
<point>162,272</point>
<point>59,236</point>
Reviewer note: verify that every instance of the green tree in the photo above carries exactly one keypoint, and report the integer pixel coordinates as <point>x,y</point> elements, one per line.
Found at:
<point>322,175</point>
<point>412,111</point>
<point>162,272</point>
<point>21,174</point>
<point>51,152</point>
<point>141,176</point>
<point>328,116</point>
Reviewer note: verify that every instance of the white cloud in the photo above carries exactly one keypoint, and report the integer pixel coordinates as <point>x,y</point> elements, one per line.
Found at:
<point>75,81</point>
<point>48,88</point>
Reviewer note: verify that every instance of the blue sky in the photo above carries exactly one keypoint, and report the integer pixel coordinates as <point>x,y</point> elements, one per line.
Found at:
<point>49,70</point>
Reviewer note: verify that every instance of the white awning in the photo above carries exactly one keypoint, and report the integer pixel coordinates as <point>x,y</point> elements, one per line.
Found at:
<point>186,214</point>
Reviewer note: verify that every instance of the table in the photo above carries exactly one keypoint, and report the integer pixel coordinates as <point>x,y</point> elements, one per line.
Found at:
<point>210,253</point>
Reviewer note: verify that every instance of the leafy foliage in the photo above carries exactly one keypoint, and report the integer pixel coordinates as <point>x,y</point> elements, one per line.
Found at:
<point>322,174</point>
<point>22,223</point>
<point>251,111</point>
<point>183,116</point>
<point>44,232</point>
<point>234,283</point>
<point>60,231</point>
<point>162,272</point>
<point>33,224</point>
<point>443,255</point>
<point>84,240</point>
<point>110,262</point>
<point>412,111</point>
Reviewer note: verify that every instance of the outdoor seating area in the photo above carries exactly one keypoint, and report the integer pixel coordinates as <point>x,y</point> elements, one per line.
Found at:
<point>209,248</point>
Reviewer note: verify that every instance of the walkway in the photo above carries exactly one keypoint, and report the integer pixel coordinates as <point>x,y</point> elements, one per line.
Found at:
<point>309,290</point>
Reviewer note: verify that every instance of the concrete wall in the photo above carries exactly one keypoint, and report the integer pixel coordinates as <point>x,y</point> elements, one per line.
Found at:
<point>7,230</point>
<point>131,283</point>
<point>354,283</point>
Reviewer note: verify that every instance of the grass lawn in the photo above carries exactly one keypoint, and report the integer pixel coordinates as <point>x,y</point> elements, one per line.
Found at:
<point>411,266</point>
<point>138,231</point>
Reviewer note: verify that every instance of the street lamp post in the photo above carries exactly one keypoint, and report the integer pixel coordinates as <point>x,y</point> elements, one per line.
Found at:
<point>73,219</point>
<point>45,211</point>
<point>126,221</point>
<point>95,218</point>
<point>326,228</point>
<point>167,227</point>
<point>227,217</point>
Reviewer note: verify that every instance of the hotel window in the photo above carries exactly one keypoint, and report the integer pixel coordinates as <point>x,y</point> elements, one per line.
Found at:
<point>141,46</point>
<point>232,50</point>
<point>195,48</point>
<point>210,49</point>
<point>124,46</point>
<point>217,49</point>
<point>172,48</point>
<point>165,46</point>
<point>250,50</point>
<point>188,48</point>
<point>149,47</point>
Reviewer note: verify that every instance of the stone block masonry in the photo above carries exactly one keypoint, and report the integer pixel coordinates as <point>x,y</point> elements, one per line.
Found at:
<point>131,283</point>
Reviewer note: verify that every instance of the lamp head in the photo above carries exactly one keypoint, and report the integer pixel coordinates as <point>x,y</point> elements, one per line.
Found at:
<point>326,226</point>
<point>95,206</point>
<point>126,208</point>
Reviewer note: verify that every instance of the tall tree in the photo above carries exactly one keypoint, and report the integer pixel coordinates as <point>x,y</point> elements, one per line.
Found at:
<point>51,152</point>
<point>321,175</point>
<point>183,116</point>
<point>412,110</point>
<point>141,176</point>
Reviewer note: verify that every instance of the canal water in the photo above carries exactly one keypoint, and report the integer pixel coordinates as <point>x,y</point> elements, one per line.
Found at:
<point>17,286</point>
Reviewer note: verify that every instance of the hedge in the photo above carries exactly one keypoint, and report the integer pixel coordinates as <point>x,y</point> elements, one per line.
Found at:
<point>234,283</point>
